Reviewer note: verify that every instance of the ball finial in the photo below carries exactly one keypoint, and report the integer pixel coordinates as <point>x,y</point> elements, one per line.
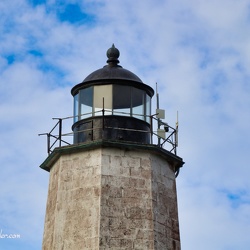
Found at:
<point>113,54</point>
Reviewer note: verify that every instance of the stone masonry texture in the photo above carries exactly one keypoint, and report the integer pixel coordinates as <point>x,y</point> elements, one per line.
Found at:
<point>108,198</point>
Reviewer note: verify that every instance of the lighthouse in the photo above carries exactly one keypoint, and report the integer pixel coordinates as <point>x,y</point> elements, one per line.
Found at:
<point>112,188</point>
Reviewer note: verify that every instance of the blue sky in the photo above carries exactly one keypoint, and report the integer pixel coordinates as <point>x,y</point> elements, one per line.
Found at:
<point>199,54</point>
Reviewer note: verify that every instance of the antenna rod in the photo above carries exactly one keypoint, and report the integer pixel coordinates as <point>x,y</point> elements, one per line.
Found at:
<point>158,119</point>
<point>157,97</point>
<point>176,133</point>
<point>177,122</point>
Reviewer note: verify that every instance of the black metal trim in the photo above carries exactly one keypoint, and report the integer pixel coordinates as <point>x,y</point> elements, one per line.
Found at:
<point>139,85</point>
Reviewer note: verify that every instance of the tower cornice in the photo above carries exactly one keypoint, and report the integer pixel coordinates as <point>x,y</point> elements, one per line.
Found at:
<point>173,159</point>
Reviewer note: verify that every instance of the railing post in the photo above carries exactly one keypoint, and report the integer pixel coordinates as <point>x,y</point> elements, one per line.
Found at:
<point>103,113</point>
<point>48,143</point>
<point>151,128</point>
<point>60,132</point>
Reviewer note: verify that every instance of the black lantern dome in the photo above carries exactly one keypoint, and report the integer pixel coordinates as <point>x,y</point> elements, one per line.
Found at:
<point>112,70</point>
<point>112,103</point>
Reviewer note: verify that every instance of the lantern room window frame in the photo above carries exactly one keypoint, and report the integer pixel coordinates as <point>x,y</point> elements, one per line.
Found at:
<point>117,99</point>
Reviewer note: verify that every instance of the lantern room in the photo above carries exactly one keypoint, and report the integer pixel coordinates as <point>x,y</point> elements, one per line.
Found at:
<point>112,103</point>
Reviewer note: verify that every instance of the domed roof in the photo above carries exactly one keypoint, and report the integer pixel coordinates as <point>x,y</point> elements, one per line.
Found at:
<point>112,70</point>
<point>112,73</point>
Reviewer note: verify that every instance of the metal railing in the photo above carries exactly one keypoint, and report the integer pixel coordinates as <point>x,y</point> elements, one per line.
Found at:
<point>56,137</point>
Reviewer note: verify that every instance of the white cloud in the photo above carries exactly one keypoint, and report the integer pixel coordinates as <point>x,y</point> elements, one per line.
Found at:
<point>197,51</point>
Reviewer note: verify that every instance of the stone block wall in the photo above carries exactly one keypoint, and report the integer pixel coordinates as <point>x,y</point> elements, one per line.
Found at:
<point>111,198</point>
<point>126,201</point>
<point>165,210</point>
<point>73,205</point>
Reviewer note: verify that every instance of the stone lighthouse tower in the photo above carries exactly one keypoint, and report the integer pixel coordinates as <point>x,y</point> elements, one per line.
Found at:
<point>112,188</point>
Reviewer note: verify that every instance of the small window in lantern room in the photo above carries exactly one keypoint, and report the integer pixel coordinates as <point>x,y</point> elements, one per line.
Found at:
<point>76,107</point>
<point>121,100</point>
<point>102,98</point>
<point>138,103</point>
<point>86,103</point>
<point>148,108</point>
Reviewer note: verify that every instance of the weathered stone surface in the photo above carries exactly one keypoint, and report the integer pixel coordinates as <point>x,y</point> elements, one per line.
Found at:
<point>108,198</point>
<point>73,206</point>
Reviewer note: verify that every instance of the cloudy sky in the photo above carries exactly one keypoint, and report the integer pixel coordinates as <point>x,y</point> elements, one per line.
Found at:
<point>198,52</point>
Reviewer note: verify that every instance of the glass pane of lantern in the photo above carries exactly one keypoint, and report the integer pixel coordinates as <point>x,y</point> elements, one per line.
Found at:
<point>148,108</point>
<point>121,100</point>
<point>76,107</point>
<point>86,102</point>
<point>138,103</point>
<point>103,95</point>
